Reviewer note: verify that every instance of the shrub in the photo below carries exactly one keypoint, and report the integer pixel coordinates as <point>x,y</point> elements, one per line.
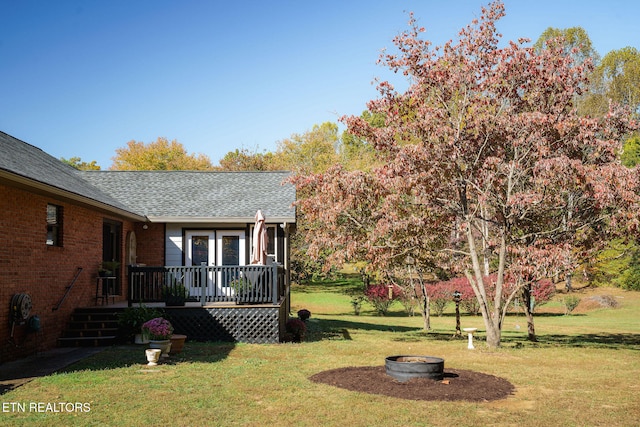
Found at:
<point>570,303</point>
<point>440,294</point>
<point>132,318</point>
<point>408,301</point>
<point>295,329</point>
<point>630,278</point>
<point>469,303</point>
<point>304,314</point>
<point>381,296</point>
<point>541,293</point>
<point>356,303</point>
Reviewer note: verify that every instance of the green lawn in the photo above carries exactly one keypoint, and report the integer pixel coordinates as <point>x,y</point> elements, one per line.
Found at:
<point>584,371</point>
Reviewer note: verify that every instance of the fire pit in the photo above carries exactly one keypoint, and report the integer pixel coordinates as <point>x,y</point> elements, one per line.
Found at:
<point>403,368</point>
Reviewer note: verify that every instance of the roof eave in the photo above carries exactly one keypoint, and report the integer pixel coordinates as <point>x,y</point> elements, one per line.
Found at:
<point>218,220</point>
<point>39,187</point>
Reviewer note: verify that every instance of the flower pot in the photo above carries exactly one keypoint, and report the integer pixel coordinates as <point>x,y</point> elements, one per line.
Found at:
<point>141,338</point>
<point>177,343</point>
<point>162,345</point>
<point>153,355</point>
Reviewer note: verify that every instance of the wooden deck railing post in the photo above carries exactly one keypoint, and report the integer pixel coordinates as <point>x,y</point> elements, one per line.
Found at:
<point>274,283</point>
<point>204,284</point>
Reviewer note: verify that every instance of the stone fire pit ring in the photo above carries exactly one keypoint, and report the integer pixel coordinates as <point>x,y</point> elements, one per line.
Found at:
<point>404,367</point>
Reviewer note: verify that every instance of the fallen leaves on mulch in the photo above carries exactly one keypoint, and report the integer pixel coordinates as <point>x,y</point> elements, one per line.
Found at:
<point>458,384</point>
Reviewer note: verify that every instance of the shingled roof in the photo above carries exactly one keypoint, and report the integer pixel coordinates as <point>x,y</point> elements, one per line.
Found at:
<point>160,196</point>
<point>29,167</point>
<point>194,196</point>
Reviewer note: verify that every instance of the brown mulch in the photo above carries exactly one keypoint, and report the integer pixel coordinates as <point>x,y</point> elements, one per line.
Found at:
<point>457,384</point>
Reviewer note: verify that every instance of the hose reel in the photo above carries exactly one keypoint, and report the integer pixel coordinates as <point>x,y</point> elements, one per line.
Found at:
<point>19,309</point>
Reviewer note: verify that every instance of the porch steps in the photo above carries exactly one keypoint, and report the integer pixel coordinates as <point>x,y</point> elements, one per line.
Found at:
<point>91,327</point>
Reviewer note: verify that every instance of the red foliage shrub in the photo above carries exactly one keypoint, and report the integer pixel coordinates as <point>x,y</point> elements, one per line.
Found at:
<point>381,296</point>
<point>295,330</point>
<point>541,291</point>
<point>440,294</point>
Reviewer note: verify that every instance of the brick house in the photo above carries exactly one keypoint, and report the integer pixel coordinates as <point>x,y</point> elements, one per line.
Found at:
<point>57,225</point>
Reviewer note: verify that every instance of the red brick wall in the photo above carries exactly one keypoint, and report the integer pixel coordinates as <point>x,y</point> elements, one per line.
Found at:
<point>150,249</point>
<point>28,265</point>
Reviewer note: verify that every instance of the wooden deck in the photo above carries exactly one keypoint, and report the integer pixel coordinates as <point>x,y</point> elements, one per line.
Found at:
<point>208,285</point>
<point>215,310</point>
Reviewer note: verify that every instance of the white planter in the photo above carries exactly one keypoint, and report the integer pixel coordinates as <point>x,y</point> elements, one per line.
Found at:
<point>153,355</point>
<point>163,345</point>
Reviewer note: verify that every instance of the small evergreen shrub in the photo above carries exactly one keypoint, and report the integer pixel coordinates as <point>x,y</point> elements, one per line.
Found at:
<point>570,303</point>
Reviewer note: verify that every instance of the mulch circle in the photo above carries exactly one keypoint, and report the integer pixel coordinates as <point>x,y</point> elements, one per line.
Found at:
<point>458,384</point>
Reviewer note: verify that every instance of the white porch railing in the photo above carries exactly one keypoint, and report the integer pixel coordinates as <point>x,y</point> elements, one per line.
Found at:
<point>257,284</point>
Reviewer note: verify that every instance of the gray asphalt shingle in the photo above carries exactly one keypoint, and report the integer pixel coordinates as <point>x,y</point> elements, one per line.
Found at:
<point>199,194</point>
<point>22,159</point>
<point>166,194</point>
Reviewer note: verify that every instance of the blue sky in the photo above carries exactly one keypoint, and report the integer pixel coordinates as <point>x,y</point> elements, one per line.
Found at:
<point>82,78</point>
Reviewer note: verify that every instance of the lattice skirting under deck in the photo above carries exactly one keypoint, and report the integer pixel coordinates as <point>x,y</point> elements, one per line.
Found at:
<point>250,324</point>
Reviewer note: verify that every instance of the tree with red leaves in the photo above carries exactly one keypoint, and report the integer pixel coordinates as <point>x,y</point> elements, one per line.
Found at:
<point>483,157</point>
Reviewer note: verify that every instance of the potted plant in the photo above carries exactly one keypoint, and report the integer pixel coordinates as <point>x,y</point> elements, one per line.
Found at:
<point>175,294</point>
<point>159,331</point>
<point>241,287</point>
<point>108,268</point>
<point>131,320</point>
<point>177,343</point>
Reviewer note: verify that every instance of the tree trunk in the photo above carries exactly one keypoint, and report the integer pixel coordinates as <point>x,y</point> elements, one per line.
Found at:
<point>567,283</point>
<point>426,315</point>
<point>422,297</point>
<point>486,250</point>
<point>492,318</point>
<point>528,312</point>
<point>493,335</point>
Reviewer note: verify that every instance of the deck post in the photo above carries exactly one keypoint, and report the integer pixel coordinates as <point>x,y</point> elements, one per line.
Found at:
<point>204,284</point>
<point>274,283</point>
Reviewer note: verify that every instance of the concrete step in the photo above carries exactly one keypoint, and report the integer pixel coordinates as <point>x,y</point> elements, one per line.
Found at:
<point>90,327</point>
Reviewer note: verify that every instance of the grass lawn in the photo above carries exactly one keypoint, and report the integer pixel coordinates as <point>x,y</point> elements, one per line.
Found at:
<point>583,372</point>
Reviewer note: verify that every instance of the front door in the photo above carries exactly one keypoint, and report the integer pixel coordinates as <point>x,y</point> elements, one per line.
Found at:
<point>200,250</point>
<point>208,247</point>
<point>231,252</point>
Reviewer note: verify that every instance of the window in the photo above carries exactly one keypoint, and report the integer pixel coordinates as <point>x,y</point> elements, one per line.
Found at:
<point>54,225</point>
<point>271,244</point>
